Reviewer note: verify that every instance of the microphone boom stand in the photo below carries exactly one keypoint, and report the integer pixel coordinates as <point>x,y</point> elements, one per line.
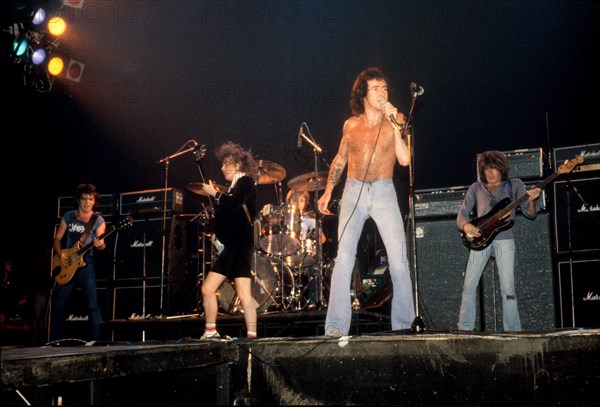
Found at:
<point>166,161</point>
<point>319,245</point>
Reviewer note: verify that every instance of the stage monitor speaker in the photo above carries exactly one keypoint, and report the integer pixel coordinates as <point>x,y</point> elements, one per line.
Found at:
<point>441,260</point>
<point>579,282</point>
<point>576,226</point>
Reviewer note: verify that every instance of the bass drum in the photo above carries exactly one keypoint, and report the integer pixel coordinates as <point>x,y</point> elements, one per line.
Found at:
<point>266,286</point>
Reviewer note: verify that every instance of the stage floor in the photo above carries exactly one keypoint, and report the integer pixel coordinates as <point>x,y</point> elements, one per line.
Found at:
<point>375,366</point>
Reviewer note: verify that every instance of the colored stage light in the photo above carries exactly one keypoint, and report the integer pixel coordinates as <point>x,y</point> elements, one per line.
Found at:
<point>38,56</point>
<point>56,66</point>
<point>57,26</point>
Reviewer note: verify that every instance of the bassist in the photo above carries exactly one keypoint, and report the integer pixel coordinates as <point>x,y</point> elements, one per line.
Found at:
<point>482,196</point>
<point>77,225</point>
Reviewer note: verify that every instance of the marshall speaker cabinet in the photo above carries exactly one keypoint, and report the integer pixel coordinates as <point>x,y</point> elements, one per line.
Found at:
<point>579,293</point>
<point>577,215</point>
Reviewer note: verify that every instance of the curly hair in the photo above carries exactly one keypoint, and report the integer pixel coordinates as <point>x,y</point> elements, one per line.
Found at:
<point>239,155</point>
<point>361,88</point>
<point>89,189</point>
<point>492,159</point>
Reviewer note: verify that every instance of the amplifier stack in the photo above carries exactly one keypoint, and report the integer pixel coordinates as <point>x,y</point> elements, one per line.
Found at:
<point>134,272</point>
<point>576,201</point>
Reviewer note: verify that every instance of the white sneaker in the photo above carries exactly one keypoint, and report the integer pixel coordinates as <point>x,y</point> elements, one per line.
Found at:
<point>210,335</point>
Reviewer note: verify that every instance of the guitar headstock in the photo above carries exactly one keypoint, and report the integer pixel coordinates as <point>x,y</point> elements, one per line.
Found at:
<point>126,222</point>
<point>199,152</point>
<point>570,164</point>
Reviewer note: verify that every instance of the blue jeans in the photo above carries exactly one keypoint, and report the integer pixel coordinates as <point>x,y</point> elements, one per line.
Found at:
<point>379,201</point>
<point>504,253</point>
<point>85,278</point>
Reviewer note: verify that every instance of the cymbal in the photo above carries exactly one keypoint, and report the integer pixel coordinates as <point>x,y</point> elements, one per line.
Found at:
<point>270,172</point>
<point>306,182</point>
<point>196,187</point>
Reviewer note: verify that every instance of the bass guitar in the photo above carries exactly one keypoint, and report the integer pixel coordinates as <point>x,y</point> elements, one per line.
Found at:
<point>64,273</point>
<point>497,219</point>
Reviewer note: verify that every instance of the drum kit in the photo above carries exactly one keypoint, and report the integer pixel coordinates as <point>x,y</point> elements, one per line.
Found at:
<point>283,254</point>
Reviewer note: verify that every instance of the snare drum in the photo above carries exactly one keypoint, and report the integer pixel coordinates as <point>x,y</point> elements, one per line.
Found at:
<point>306,257</point>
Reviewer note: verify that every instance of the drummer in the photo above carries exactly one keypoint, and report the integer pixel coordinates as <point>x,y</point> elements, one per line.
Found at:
<point>301,199</point>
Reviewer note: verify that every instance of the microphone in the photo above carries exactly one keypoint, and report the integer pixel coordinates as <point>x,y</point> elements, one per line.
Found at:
<point>300,134</point>
<point>416,89</point>
<point>392,118</point>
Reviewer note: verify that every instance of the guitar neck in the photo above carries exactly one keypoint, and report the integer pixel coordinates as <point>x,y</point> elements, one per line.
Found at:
<point>88,246</point>
<point>517,202</point>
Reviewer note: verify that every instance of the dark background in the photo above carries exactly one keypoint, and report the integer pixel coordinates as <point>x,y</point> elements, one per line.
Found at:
<point>499,75</point>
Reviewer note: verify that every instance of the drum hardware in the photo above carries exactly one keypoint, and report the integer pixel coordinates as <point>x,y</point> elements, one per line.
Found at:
<point>308,182</point>
<point>266,282</point>
<point>270,172</point>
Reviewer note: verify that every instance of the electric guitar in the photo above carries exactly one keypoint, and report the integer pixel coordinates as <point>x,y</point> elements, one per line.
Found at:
<point>497,219</point>
<point>64,273</point>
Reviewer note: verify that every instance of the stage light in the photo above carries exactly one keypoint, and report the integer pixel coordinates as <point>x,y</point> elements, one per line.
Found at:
<point>38,56</point>
<point>57,26</point>
<point>74,70</point>
<point>56,66</point>
<point>39,17</point>
<point>20,45</point>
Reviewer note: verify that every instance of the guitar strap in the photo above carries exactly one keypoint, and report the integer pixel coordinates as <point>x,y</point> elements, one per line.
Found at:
<point>508,187</point>
<point>88,228</point>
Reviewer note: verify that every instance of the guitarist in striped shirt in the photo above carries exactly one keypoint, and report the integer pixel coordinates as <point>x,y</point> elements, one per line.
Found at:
<point>482,197</point>
<point>71,229</point>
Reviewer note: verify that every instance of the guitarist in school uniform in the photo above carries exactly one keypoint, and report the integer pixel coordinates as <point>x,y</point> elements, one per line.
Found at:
<point>235,211</point>
<point>482,196</point>
<point>72,228</point>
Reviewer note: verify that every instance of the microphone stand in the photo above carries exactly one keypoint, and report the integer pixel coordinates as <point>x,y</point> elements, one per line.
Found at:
<point>417,325</point>
<point>166,161</point>
<point>319,245</point>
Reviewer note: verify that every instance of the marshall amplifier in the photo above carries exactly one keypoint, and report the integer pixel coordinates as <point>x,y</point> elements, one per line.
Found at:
<point>149,203</point>
<point>590,152</point>
<point>526,164</point>
<point>107,206</point>
<point>577,215</point>
<point>436,203</point>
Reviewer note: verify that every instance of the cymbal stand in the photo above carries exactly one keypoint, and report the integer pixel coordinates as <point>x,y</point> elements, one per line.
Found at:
<point>317,150</point>
<point>281,260</point>
<point>166,161</point>
<point>204,217</point>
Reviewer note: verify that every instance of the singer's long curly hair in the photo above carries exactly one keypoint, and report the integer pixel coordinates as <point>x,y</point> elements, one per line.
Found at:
<point>361,88</point>
<point>492,159</point>
<point>235,151</point>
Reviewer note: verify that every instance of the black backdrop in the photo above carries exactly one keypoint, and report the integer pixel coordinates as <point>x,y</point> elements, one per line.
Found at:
<point>497,75</point>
